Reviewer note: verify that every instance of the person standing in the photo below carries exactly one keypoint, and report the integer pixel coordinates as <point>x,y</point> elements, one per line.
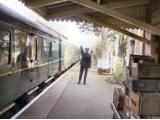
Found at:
<point>85,64</point>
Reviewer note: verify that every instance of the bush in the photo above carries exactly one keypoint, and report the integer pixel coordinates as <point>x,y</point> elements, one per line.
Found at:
<point>118,69</point>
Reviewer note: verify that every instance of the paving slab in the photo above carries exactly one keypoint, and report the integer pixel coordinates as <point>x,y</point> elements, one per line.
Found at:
<point>46,102</point>
<point>68,100</point>
<point>91,101</point>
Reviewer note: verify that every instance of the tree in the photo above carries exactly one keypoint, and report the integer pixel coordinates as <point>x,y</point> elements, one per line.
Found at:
<point>89,27</point>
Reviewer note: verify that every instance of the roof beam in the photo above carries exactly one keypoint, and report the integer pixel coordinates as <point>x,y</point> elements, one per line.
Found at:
<point>41,3</point>
<point>77,14</point>
<point>155,18</point>
<point>95,20</point>
<point>42,11</point>
<point>113,13</point>
<point>126,3</point>
<point>68,13</point>
<point>114,5</point>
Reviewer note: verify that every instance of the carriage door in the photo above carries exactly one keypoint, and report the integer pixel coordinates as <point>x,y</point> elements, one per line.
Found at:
<point>33,69</point>
<point>59,67</point>
<point>53,57</point>
<point>6,78</point>
<point>50,62</point>
<point>55,50</point>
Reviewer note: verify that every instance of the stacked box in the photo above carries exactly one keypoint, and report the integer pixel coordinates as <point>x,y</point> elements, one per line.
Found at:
<point>142,97</point>
<point>140,59</point>
<point>142,87</point>
<point>145,85</point>
<point>131,103</point>
<point>126,106</point>
<point>134,104</point>
<point>126,101</point>
<point>135,61</point>
<point>145,71</point>
<point>150,104</point>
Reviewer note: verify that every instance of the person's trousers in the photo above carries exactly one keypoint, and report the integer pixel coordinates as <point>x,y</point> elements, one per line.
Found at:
<point>81,73</point>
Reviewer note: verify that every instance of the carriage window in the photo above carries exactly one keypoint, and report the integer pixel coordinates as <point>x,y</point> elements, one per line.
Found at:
<point>32,45</point>
<point>46,47</point>
<point>62,50</point>
<point>54,50</point>
<point>20,46</point>
<point>4,47</point>
<point>40,48</point>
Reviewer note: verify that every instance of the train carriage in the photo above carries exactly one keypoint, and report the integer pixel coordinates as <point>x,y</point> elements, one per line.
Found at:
<point>30,53</point>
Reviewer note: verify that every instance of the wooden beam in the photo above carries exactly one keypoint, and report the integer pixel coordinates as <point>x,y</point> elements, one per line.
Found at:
<point>41,3</point>
<point>42,11</point>
<point>116,22</point>
<point>114,5</point>
<point>126,3</point>
<point>155,18</point>
<point>68,13</point>
<point>95,20</point>
<point>76,13</point>
<point>113,13</point>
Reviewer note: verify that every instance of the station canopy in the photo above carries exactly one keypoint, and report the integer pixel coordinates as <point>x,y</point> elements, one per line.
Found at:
<point>120,15</point>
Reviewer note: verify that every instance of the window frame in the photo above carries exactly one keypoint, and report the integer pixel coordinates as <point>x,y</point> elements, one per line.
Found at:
<point>9,50</point>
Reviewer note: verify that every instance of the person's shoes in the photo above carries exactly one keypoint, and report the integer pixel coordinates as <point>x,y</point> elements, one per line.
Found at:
<point>78,82</point>
<point>84,83</point>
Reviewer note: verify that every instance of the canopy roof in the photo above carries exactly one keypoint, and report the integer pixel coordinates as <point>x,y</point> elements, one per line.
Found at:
<point>119,15</point>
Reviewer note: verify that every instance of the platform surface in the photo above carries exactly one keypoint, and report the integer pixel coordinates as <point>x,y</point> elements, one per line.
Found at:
<point>68,100</point>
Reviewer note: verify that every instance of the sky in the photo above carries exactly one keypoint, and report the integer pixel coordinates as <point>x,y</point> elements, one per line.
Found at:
<point>69,29</point>
<point>74,34</point>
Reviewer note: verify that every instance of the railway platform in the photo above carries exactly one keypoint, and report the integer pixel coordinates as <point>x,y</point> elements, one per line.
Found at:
<point>65,99</point>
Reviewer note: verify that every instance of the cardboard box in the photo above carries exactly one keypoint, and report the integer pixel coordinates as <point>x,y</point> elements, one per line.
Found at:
<point>131,103</point>
<point>126,106</point>
<point>134,102</point>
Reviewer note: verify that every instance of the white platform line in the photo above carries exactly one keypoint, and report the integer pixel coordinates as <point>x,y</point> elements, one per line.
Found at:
<point>7,108</point>
<point>32,91</point>
<point>49,80</point>
<point>36,98</point>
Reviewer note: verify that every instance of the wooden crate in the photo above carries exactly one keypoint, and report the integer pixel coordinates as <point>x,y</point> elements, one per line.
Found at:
<point>143,85</point>
<point>140,59</point>
<point>131,102</point>
<point>134,102</point>
<point>145,71</point>
<point>150,104</point>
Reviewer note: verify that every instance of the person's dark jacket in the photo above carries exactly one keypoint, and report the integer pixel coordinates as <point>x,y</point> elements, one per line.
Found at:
<point>86,59</point>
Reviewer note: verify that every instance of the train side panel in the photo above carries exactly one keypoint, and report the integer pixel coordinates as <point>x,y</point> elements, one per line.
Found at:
<point>28,57</point>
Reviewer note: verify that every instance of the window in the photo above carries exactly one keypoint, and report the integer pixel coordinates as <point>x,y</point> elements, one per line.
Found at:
<point>40,48</point>
<point>32,44</point>
<point>46,47</point>
<point>25,46</point>
<point>21,48</point>
<point>55,45</point>
<point>53,50</point>
<point>4,47</point>
<point>62,50</point>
